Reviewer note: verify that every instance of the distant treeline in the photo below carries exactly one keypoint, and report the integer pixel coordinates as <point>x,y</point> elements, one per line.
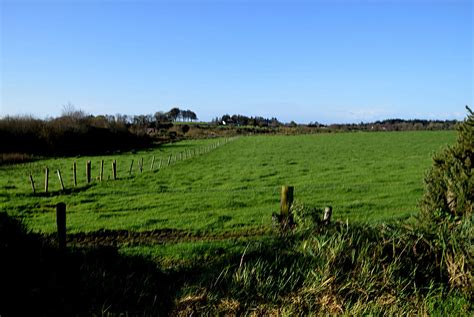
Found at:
<point>396,125</point>
<point>77,133</point>
<point>238,120</point>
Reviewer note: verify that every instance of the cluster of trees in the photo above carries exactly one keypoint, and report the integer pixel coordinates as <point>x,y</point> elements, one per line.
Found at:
<point>241,120</point>
<point>161,119</point>
<point>175,114</point>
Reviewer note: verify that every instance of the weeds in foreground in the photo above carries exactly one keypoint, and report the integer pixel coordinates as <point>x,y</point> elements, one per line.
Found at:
<point>336,269</point>
<point>346,269</point>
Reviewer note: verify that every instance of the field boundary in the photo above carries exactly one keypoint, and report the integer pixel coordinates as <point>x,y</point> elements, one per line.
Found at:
<point>156,164</point>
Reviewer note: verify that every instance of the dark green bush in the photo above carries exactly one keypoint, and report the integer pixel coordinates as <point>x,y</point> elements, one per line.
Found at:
<point>448,185</point>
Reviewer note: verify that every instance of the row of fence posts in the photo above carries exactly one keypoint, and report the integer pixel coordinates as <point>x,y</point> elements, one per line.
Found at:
<point>286,201</point>
<point>171,159</point>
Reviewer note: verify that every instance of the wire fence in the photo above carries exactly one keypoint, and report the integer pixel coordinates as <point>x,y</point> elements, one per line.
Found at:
<point>84,171</point>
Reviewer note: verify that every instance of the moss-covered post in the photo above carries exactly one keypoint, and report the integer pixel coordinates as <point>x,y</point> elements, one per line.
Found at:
<point>286,200</point>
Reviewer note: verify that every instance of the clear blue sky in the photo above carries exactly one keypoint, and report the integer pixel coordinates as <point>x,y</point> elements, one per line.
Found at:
<point>325,61</point>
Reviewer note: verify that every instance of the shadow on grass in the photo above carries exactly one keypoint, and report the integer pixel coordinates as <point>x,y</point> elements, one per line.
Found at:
<point>294,270</point>
<point>55,193</point>
<point>38,279</point>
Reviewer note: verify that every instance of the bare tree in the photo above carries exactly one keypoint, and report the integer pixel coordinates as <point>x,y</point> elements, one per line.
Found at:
<point>70,111</point>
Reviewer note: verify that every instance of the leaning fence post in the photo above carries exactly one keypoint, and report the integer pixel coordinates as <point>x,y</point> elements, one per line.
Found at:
<point>61,223</point>
<point>152,163</point>
<point>46,179</point>
<point>131,166</point>
<point>101,176</point>
<point>327,215</point>
<point>161,162</point>
<point>32,183</point>
<point>88,171</point>
<point>140,164</point>
<point>169,160</point>
<point>286,200</point>
<point>114,169</point>
<point>60,179</point>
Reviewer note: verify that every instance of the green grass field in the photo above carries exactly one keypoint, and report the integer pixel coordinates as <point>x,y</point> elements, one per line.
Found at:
<point>196,237</point>
<point>366,177</point>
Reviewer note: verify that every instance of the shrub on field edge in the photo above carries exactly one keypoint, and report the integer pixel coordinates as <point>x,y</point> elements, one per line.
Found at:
<point>449,186</point>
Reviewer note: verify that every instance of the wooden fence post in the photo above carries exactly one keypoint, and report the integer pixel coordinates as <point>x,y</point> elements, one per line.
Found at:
<point>140,164</point>
<point>114,169</point>
<point>46,179</point>
<point>286,200</point>
<point>152,163</point>
<point>101,176</point>
<point>61,223</point>
<point>169,160</point>
<point>131,166</point>
<point>60,179</point>
<point>161,162</point>
<point>327,215</point>
<point>88,172</point>
<point>74,174</point>
<point>32,184</point>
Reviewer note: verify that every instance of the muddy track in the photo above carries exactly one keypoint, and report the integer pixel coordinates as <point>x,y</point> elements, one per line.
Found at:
<point>161,236</point>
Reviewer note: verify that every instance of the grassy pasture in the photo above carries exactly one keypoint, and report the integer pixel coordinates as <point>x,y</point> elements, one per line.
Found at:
<point>366,177</point>
<point>195,237</point>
